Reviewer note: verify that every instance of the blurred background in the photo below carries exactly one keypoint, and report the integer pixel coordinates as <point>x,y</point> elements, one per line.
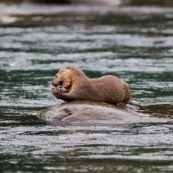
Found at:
<point>98,2</point>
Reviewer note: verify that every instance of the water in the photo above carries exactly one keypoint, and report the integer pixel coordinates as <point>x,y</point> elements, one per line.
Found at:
<point>133,43</point>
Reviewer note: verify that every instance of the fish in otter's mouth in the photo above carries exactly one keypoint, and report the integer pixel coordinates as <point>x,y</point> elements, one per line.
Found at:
<point>61,88</point>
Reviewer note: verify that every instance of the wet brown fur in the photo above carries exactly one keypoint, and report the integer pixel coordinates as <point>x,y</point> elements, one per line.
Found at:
<point>108,88</point>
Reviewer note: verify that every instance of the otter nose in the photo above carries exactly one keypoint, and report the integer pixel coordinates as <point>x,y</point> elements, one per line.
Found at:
<point>54,84</point>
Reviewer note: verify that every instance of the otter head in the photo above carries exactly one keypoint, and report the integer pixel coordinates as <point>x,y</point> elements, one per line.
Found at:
<point>63,77</point>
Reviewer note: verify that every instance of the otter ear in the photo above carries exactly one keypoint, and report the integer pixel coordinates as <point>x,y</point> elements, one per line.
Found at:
<point>67,68</point>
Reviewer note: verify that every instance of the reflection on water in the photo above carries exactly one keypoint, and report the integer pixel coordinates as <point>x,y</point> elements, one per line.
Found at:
<point>133,43</point>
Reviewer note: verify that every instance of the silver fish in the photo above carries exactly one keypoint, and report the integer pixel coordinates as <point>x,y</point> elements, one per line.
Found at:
<point>61,88</point>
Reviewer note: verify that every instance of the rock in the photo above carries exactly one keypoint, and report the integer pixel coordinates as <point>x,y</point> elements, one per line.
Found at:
<point>85,113</point>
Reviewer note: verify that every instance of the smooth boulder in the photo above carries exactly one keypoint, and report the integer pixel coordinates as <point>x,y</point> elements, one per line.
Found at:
<point>95,113</point>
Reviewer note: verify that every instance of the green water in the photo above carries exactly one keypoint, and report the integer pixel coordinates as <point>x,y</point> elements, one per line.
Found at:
<point>133,43</point>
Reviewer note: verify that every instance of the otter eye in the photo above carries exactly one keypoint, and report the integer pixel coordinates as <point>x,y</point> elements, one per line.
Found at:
<point>67,68</point>
<point>56,76</point>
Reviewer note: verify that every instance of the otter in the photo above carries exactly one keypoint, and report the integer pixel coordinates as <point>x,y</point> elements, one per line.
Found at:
<point>78,86</point>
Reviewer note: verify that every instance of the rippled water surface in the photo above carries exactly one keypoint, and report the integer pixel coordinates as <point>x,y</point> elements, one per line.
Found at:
<point>133,43</point>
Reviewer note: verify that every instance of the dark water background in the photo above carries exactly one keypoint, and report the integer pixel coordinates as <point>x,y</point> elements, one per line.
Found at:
<point>134,43</point>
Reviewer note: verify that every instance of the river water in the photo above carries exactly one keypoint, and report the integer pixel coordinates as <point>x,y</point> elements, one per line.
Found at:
<point>133,43</point>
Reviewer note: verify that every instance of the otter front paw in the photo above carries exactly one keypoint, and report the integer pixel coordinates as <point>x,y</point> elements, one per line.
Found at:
<point>56,91</point>
<point>64,96</point>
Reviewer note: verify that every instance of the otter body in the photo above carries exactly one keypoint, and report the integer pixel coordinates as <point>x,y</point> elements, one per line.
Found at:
<point>108,88</point>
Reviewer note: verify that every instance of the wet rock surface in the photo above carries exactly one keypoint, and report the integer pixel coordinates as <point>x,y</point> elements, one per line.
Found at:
<point>83,113</point>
